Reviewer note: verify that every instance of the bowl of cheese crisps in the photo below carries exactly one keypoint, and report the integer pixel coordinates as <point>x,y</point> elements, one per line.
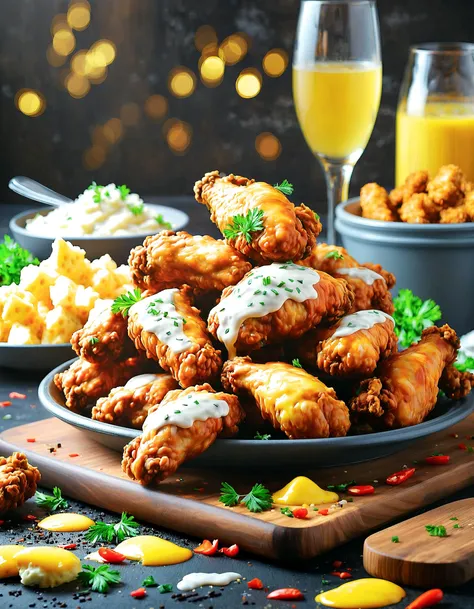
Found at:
<point>48,301</point>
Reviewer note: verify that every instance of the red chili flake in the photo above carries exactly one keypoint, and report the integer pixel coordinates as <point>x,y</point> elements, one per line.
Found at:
<point>138,593</point>
<point>366,489</point>
<point>286,594</point>
<point>5,403</point>
<point>324,512</point>
<point>427,599</point>
<point>255,584</point>
<point>462,446</point>
<point>454,435</point>
<point>68,546</point>
<point>30,518</point>
<point>344,575</point>
<point>207,548</point>
<point>335,573</point>
<point>337,563</point>
<point>74,455</point>
<point>232,551</point>
<point>111,556</point>
<point>437,459</point>
<point>400,477</point>
<point>14,395</point>
<point>300,513</point>
<point>31,440</point>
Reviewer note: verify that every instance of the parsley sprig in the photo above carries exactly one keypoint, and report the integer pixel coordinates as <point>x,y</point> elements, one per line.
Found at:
<point>124,191</point>
<point>123,303</point>
<point>436,530</point>
<point>257,500</point>
<point>101,531</point>
<point>285,187</point>
<point>334,255</point>
<point>262,436</point>
<point>465,364</point>
<point>51,502</point>
<point>287,512</point>
<point>412,315</point>
<point>97,196</point>
<point>245,225</point>
<point>98,578</point>
<point>94,340</point>
<point>149,582</point>
<point>137,209</point>
<point>296,363</point>
<point>162,222</point>
<point>13,258</point>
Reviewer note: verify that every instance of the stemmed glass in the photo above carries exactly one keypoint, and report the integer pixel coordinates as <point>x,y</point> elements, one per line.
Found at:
<point>337,83</point>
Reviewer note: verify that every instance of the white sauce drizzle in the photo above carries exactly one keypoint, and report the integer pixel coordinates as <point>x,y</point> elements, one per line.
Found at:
<point>157,314</point>
<point>184,411</point>
<point>194,580</point>
<point>264,290</point>
<point>367,275</point>
<point>140,381</point>
<point>362,320</point>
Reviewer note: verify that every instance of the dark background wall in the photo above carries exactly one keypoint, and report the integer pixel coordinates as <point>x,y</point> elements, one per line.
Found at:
<point>154,36</point>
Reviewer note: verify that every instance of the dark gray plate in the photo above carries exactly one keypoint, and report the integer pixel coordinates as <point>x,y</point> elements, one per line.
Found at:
<point>34,357</point>
<point>325,452</point>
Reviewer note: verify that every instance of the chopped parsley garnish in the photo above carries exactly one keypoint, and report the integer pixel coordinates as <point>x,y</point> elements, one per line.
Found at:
<point>257,500</point>
<point>262,436</point>
<point>165,588</point>
<point>124,191</point>
<point>13,258</point>
<point>454,518</point>
<point>149,582</point>
<point>267,280</point>
<point>101,531</point>
<point>94,340</point>
<point>97,196</point>
<point>334,255</point>
<point>412,315</point>
<point>51,502</point>
<point>395,539</point>
<point>285,187</point>
<point>457,526</point>
<point>98,578</point>
<point>245,225</point>
<point>296,363</point>
<point>136,210</point>
<point>342,486</point>
<point>162,222</point>
<point>316,216</point>
<point>286,512</point>
<point>123,303</point>
<point>436,530</point>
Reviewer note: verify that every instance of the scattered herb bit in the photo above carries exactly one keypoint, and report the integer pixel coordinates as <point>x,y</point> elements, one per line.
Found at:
<point>334,255</point>
<point>13,258</point>
<point>51,502</point>
<point>262,436</point>
<point>412,315</point>
<point>456,526</point>
<point>136,210</point>
<point>465,365</point>
<point>162,222</point>
<point>316,216</point>
<point>285,187</point>
<point>94,340</point>
<point>286,512</point>
<point>101,531</point>
<point>165,588</point>
<point>149,582</point>
<point>97,196</point>
<point>257,500</point>
<point>244,225</point>
<point>395,539</point>
<point>296,363</point>
<point>436,530</point>
<point>324,581</point>
<point>229,495</point>
<point>123,303</point>
<point>124,192</point>
<point>341,487</point>
<point>98,578</point>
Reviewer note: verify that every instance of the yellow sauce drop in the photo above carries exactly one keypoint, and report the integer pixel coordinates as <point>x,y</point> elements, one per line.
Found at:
<point>153,551</point>
<point>48,558</point>
<point>8,564</point>
<point>302,490</point>
<point>67,523</point>
<point>362,594</point>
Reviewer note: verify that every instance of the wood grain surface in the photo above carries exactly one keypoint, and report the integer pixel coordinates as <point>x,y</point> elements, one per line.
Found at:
<point>419,559</point>
<point>189,500</point>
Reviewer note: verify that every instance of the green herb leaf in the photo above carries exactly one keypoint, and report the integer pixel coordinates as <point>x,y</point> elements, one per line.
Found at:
<point>436,530</point>
<point>162,222</point>
<point>149,582</point>
<point>229,495</point>
<point>334,255</point>
<point>395,539</point>
<point>101,531</point>
<point>260,436</point>
<point>285,187</point>
<point>51,502</point>
<point>244,225</point>
<point>94,340</point>
<point>136,210</point>
<point>342,486</point>
<point>98,578</point>
<point>286,512</point>
<point>412,315</point>
<point>465,364</point>
<point>13,258</point>
<point>454,518</point>
<point>259,499</point>
<point>164,588</point>
<point>296,363</point>
<point>123,303</point>
<point>457,526</point>
<point>124,191</point>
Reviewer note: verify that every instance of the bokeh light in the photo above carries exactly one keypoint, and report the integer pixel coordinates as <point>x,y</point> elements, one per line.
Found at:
<point>268,146</point>
<point>77,86</point>
<point>113,130</point>
<point>59,22</point>
<point>98,137</point>
<point>181,81</point>
<point>64,42</point>
<point>130,114</point>
<point>97,75</point>
<point>249,83</point>
<point>79,63</point>
<point>234,49</point>
<point>205,35</point>
<point>275,62</point>
<point>156,106</point>
<point>93,157</point>
<point>30,102</point>
<point>178,135</point>
<point>212,70</point>
<point>53,58</point>
<point>79,15</point>
<point>102,53</point>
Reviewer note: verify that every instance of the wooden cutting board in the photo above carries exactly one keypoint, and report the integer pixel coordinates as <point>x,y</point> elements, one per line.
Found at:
<point>188,501</point>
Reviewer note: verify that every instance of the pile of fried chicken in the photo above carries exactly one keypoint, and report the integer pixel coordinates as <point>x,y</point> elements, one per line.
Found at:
<point>265,323</point>
<point>446,199</point>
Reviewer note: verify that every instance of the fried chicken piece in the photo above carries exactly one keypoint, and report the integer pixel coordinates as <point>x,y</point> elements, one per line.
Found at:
<point>454,215</point>
<point>406,387</point>
<point>446,189</point>
<point>469,205</point>
<point>129,405</point>
<point>182,427</point>
<point>169,329</point>
<point>419,209</point>
<point>291,399</point>
<point>168,260</point>
<point>415,183</point>
<point>283,232</point>
<point>375,203</point>
<point>83,383</point>
<point>352,347</point>
<point>456,384</point>
<point>104,338</point>
<point>276,302</point>
<point>370,283</point>
<point>18,481</point>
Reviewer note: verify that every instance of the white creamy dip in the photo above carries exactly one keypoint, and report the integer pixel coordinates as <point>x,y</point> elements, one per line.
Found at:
<point>158,314</point>
<point>467,344</point>
<point>264,290</point>
<point>358,272</point>
<point>362,320</point>
<point>140,381</point>
<point>194,580</point>
<point>184,411</point>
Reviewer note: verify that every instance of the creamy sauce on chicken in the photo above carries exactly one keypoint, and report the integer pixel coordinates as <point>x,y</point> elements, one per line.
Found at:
<point>362,320</point>
<point>194,580</point>
<point>366,275</point>
<point>185,411</point>
<point>140,381</point>
<point>264,290</point>
<point>158,314</point>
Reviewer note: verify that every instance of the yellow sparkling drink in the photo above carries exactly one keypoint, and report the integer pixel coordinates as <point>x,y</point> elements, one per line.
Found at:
<point>443,133</point>
<point>337,103</point>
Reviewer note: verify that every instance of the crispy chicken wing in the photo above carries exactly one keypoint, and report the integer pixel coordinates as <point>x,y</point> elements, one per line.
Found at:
<point>284,232</point>
<point>182,427</point>
<point>294,401</point>
<point>352,347</point>
<point>454,215</point>
<point>168,260</point>
<point>469,204</point>
<point>83,383</point>
<point>129,405</point>
<point>370,282</point>
<point>375,203</point>
<point>415,182</point>
<point>169,329</point>
<point>446,188</point>
<point>456,384</point>
<point>419,209</point>
<point>18,480</point>
<point>406,387</point>
<point>276,302</point>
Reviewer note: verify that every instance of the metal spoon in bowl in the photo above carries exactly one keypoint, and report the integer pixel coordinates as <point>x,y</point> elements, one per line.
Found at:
<point>31,189</point>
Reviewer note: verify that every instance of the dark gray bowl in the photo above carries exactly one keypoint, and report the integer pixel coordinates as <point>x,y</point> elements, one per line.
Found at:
<point>34,357</point>
<point>117,247</point>
<point>326,452</point>
<point>433,260</point>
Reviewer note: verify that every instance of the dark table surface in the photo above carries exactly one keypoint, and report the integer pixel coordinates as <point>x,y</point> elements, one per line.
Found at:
<point>310,576</point>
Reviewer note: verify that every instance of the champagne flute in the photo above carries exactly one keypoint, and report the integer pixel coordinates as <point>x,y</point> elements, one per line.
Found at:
<point>337,83</point>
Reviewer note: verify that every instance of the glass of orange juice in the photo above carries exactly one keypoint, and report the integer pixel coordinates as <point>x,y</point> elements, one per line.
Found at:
<point>435,115</point>
<point>337,83</point>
